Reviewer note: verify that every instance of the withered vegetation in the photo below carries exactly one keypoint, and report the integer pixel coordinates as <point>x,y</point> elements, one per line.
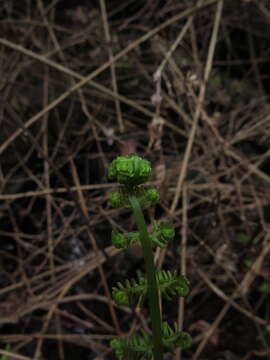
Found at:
<point>184,84</point>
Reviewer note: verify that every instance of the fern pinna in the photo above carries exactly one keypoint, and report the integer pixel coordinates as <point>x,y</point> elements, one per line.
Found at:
<point>131,171</point>
<point>131,292</point>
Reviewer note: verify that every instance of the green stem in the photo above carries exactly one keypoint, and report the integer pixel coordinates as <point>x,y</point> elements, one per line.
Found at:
<point>151,278</point>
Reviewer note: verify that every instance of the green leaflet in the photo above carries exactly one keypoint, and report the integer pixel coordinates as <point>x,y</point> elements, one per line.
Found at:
<point>123,241</point>
<point>146,197</point>
<point>140,346</point>
<point>133,292</point>
<point>162,233</point>
<point>173,338</point>
<point>137,347</point>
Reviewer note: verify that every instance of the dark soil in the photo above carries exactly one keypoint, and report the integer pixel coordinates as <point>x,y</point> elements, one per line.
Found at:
<point>197,108</point>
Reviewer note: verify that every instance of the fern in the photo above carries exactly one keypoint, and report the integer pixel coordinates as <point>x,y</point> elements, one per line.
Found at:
<point>134,291</point>
<point>162,233</point>
<point>132,172</point>
<point>140,345</point>
<point>146,197</point>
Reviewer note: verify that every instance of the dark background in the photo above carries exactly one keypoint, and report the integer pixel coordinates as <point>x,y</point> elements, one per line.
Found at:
<point>57,263</point>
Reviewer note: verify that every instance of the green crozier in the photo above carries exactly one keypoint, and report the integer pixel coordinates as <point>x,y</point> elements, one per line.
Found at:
<point>130,170</point>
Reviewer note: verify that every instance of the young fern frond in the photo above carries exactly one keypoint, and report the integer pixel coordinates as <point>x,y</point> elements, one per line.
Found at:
<point>130,292</point>
<point>131,172</point>
<point>134,291</point>
<point>123,241</point>
<point>170,284</point>
<point>162,233</point>
<point>173,338</point>
<point>140,345</point>
<point>136,347</point>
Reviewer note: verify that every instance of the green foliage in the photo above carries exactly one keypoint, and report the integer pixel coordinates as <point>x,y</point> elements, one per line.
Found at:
<point>132,171</point>
<point>135,348</point>
<point>140,345</point>
<point>125,240</point>
<point>119,198</point>
<point>151,196</point>
<point>173,338</point>
<point>133,291</point>
<point>159,237</point>
<point>167,230</point>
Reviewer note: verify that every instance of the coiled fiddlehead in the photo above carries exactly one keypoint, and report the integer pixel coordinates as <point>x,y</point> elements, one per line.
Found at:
<point>130,170</point>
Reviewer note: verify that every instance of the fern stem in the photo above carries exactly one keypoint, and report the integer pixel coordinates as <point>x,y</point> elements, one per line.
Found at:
<point>151,278</point>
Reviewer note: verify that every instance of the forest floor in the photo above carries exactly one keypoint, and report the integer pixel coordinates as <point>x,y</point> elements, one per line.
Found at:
<point>184,84</point>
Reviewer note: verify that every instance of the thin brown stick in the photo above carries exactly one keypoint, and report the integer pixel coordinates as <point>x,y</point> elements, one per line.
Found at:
<point>197,114</point>
<point>112,66</point>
